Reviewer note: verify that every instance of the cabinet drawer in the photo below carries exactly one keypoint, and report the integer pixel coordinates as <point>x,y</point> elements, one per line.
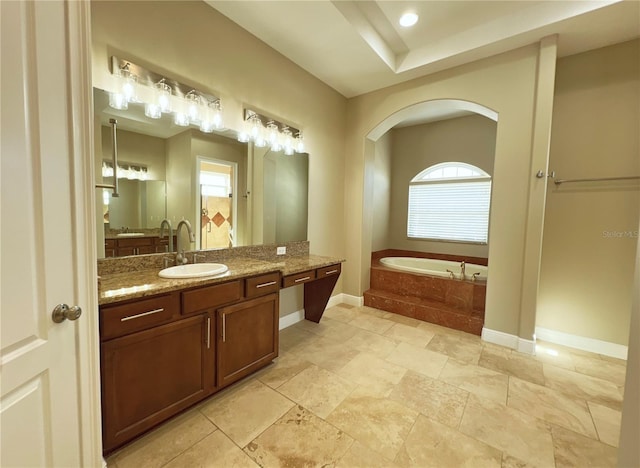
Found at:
<point>328,271</point>
<point>122,319</point>
<point>201,299</point>
<point>261,285</point>
<point>298,278</point>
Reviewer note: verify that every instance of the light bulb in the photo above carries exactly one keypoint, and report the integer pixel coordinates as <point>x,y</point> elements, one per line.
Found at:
<point>193,106</point>
<point>128,85</point>
<point>217,115</point>
<point>118,101</point>
<point>272,135</point>
<point>287,141</point>
<point>152,111</point>
<point>181,119</point>
<point>163,96</point>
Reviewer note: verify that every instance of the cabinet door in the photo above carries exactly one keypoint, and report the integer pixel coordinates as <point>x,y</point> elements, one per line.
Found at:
<point>247,338</point>
<point>151,375</point>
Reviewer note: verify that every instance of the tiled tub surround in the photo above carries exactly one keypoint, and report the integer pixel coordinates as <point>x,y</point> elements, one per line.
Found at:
<point>449,302</point>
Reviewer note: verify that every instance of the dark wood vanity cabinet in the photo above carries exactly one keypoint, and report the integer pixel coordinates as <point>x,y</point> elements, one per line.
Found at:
<point>151,375</point>
<point>122,247</point>
<point>247,337</point>
<point>163,353</point>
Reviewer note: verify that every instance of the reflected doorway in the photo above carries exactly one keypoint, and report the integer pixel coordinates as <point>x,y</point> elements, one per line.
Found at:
<point>218,182</point>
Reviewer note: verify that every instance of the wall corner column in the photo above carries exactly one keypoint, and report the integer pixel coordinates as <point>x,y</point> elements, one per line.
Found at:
<point>540,143</point>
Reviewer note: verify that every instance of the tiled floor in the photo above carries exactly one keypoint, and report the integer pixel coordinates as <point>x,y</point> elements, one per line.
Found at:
<point>367,388</point>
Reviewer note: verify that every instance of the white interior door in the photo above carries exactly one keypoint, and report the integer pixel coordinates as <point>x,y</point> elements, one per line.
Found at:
<point>42,414</point>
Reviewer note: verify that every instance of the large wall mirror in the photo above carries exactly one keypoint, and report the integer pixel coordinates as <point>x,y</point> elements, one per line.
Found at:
<point>231,193</point>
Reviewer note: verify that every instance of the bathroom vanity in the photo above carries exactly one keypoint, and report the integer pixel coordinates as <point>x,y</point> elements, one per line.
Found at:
<point>169,343</point>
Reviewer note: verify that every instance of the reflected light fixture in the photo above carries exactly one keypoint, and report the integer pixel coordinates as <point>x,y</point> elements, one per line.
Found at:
<point>276,135</point>
<point>408,19</point>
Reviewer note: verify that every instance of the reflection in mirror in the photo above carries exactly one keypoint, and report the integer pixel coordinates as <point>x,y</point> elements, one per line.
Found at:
<point>266,193</point>
<point>141,204</point>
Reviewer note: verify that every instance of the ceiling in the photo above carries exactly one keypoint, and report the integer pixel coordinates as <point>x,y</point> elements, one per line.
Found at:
<point>358,46</point>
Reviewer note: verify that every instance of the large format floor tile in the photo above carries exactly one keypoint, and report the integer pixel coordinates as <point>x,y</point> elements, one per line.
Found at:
<point>244,412</point>
<point>299,439</point>
<point>475,379</point>
<point>317,390</point>
<point>572,450</point>
<point>512,431</point>
<point>551,405</point>
<point>461,348</point>
<point>216,451</point>
<point>379,423</point>
<point>166,442</point>
<point>417,359</point>
<point>376,374</point>
<point>607,423</point>
<point>434,445</point>
<point>367,388</point>
<point>515,364</point>
<point>433,398</point>
<point>583,386</point>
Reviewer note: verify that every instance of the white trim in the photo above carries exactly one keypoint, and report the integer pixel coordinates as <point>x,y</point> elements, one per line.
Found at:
<point>291,319</point>
<point>342,298</point>
<point>298,315</point>
<point>78,16</point>
<point>509,341</point>
<point>582,342</point>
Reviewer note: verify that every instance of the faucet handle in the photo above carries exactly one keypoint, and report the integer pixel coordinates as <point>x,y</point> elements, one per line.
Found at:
<point>196,255</point>
<point>181,258</point>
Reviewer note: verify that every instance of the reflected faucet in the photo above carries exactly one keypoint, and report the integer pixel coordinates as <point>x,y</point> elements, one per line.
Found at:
<point>180,258</point>
<point>462,267</point>
<point>166,222</point>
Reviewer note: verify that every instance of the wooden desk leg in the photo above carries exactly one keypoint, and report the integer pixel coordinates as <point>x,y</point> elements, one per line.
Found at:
<point>316,297</point>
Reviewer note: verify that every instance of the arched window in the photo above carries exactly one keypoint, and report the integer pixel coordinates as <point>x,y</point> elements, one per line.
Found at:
<point>450,202</point>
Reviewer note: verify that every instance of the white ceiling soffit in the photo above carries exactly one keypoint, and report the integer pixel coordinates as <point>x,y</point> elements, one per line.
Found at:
<point>358,46</point>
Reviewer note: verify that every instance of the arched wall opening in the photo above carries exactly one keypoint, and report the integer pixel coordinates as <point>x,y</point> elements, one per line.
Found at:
<point>517,86</point>
<point>437,132</point>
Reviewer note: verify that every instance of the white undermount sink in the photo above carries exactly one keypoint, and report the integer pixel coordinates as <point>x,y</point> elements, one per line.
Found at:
<point>130,234</point>
<point>193,270</point>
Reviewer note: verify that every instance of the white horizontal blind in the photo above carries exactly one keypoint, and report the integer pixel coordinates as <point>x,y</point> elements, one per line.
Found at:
<point>456,211</point>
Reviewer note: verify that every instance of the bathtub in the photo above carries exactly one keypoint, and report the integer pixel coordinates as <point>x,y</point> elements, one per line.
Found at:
<point>428,266</point>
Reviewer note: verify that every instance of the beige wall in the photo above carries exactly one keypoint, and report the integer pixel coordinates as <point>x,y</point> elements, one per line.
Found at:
<point>135,148</point>
<point>180,198</point>
<point>381,193</point>
<point>471,140</point>
<point>586,276</point>
<point>220,57</point>
<point>506,84</point>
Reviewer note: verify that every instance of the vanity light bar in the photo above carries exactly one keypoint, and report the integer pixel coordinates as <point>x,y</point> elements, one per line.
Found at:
<point>265,120</point>
<point>266,131</point>
<point>150,78</point>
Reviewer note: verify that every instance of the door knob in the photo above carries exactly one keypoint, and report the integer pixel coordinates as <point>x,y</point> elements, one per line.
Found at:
<point>63,312</point>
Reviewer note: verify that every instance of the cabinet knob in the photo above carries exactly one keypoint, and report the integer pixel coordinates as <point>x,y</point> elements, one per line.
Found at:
<point>63,312</point>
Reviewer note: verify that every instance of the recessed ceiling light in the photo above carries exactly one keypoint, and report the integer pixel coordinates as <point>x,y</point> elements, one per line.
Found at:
<point>408,19</point>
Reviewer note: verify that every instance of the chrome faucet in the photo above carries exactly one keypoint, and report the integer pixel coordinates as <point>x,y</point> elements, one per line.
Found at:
<point>180,258</point>
<point>166,222</point>
<point>462,267</point>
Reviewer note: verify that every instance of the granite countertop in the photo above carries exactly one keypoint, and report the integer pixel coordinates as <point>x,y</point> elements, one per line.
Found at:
<point>141,283</point>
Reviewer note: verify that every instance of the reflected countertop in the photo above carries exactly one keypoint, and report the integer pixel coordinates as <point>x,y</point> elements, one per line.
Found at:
<point>141,283</point>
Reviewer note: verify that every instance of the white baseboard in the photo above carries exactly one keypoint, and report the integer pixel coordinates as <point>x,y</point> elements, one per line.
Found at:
<point>581,342</point>
<point>509,341</point>
<point>343,298</point>
<point>291,319</point>
<point>298,316</point>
